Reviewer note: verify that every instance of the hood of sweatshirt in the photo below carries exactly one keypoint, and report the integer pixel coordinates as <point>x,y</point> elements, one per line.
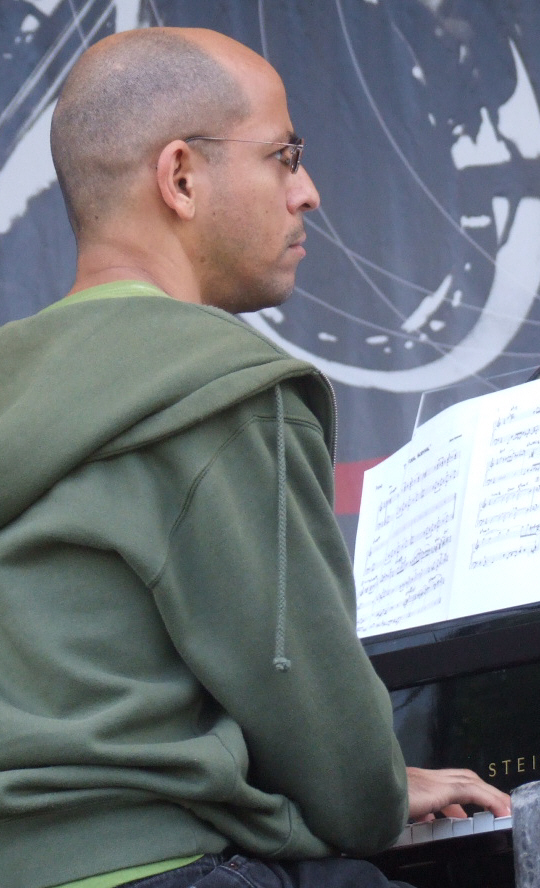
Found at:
<point>98,374</point>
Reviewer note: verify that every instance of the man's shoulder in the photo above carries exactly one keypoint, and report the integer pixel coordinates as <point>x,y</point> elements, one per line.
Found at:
<point>133,303</point>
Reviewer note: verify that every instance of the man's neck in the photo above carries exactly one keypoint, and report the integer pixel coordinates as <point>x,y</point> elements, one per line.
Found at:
<point>99,264</point>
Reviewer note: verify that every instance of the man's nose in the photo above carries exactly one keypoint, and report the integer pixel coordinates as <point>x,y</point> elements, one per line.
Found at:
<point>302,194</point>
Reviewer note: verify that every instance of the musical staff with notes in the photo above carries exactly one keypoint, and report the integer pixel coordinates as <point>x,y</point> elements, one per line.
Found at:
<point>450,524</point>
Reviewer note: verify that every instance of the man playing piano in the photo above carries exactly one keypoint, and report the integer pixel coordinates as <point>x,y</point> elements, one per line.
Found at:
<point>183,698</point>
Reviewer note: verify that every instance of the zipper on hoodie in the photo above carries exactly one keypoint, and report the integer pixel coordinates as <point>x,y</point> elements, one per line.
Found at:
<point>333,454</point>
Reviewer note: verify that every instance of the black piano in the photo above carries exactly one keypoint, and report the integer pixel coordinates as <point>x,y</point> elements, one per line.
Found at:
<point>466,693</point>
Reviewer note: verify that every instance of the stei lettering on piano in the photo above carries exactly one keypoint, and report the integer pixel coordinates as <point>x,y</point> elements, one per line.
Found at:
<point>520,766</point>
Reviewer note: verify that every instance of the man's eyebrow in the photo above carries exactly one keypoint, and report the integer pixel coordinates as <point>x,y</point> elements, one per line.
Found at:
<point>287,138</point>
<point>293,138</point>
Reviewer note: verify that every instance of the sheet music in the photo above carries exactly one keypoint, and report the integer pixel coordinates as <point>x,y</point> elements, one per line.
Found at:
<point>499,554</point>
<point>450,524</point>
<point>408,528</point>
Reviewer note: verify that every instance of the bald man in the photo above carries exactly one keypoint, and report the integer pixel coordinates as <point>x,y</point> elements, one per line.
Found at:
<point>183,699</point>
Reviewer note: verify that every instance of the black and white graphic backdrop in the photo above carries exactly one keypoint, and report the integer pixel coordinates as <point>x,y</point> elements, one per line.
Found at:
<point>422,124</point>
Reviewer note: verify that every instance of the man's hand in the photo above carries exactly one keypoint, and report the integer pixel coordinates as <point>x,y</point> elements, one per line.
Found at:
<point>448,789</point>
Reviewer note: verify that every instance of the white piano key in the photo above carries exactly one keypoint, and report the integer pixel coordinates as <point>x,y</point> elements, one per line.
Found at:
<point>451,827</point>
<point>442,829</point>
<point>483,822</point>
<point>405,837</point>
<point>422,832</point>
<point>462,826</point>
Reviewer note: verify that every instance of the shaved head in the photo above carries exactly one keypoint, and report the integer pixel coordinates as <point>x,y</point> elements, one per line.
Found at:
<point>215,220</point>
<point>127,97</point>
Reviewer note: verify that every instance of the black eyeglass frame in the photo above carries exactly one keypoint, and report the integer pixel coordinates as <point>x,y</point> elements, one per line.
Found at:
<point>296,147</point>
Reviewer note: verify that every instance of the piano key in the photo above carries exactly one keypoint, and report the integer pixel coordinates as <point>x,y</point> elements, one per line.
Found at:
<point>405,837</point>
<point>483,822</point>
<point>462,826</point>
<point>442,829</point>
<point>422,832</point>
<point>503,822</point>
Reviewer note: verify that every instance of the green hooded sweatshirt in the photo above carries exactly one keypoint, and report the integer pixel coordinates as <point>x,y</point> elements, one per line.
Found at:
<point>179,669</point>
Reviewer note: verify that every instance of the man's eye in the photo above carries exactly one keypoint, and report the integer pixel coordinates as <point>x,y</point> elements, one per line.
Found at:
<point>284,155</point>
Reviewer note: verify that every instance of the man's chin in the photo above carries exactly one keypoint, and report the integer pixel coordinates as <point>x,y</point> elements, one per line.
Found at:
<point>266,302</point>
<point>251,299</point>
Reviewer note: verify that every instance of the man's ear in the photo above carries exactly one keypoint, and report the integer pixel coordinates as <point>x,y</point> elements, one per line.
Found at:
<point>175,178</point>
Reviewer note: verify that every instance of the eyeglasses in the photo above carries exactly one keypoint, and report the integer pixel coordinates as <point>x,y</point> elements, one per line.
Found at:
<point>291,158</point>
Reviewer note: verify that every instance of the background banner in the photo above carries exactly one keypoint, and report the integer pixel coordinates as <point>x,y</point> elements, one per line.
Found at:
<point>422,124</point>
